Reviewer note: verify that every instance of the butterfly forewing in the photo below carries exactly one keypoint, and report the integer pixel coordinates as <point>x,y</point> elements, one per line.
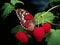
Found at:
<point>21,14</point>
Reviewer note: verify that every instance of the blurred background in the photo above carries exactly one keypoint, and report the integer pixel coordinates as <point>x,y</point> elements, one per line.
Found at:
<point>33,6</point>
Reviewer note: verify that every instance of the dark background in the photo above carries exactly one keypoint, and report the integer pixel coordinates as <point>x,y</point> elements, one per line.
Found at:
<point>6,38</point>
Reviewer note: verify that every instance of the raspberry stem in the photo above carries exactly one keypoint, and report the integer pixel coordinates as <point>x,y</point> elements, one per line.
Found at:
<point>38,23</point>
<point>50,10</point>
<point>46,13</point>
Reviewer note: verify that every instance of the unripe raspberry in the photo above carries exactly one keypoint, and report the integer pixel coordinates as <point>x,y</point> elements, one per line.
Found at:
<point>38,33</point>
<point>22,37</point>
<point>47,27</point>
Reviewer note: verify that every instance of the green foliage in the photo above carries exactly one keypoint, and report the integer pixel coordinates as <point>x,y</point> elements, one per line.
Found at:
<point>48,17</point>
<point>58,26</point>
<point>53,38</point>
<point>17,28</point>
<point>29,36</point>
<point>13,2</point>
<point>54,1</point>
<point>38,19</point>
<point>8,8</point>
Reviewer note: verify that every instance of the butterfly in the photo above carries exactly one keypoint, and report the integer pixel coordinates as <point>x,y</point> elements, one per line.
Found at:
<point>26,19</point>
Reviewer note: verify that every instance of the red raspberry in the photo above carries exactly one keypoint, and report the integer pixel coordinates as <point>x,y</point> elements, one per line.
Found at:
<point>28,17</point>
<point>38,33</point>
<point>22,37</point>
<point>47,27</point>
<point>26,24</point>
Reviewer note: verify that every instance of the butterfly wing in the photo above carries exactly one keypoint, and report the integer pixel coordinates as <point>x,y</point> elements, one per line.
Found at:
<point>27,24</point>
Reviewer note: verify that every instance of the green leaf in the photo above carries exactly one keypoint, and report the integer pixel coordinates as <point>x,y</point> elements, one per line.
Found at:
<point>7,9</point>
<point>17,28</point>
<point>58,26</point>
<point>38,19</point>
<point>48,17</point>
<point>29,36</point>
<point>54,1</point>
<point>4,6</point>
<point>13,2</point>
<point>49,34</point>
<point>53,38</point>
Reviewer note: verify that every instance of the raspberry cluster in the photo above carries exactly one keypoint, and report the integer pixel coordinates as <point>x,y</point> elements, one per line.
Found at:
<point>37,32</point>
